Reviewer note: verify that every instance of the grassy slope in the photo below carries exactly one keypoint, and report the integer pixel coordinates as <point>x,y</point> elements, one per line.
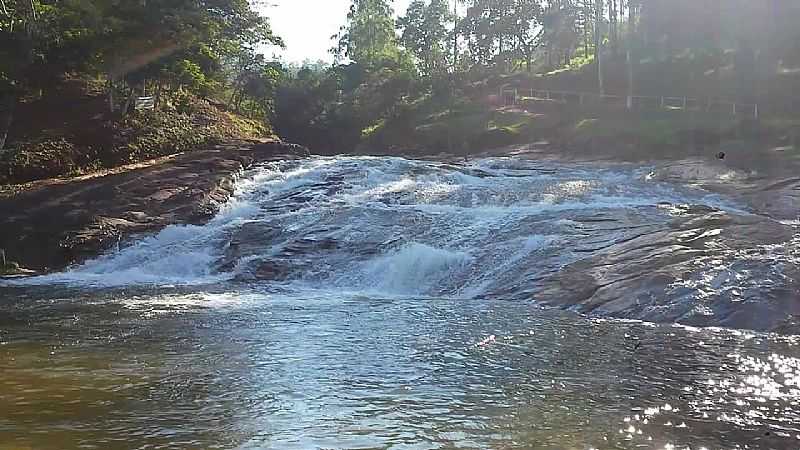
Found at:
<point>429,126</point>
<point>69,133</point>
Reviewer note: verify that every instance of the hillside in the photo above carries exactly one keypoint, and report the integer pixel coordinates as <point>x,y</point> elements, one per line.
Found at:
<point>479,118</point>
<point>70,132</point>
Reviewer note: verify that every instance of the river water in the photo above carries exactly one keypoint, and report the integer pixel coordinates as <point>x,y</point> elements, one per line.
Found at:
<point>389,303</point>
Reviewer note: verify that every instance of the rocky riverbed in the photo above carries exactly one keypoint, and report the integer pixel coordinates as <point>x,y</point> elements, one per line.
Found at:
<point>51,224</point>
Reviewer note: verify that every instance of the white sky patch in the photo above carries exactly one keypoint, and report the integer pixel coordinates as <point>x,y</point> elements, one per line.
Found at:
<point>307,26</point>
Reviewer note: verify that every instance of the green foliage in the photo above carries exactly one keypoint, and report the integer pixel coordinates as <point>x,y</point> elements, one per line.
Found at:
<point>176,40</point>
<point>498,31</point>
<point>190,123</point>
<point>369,39</point>
<point>426,36</point>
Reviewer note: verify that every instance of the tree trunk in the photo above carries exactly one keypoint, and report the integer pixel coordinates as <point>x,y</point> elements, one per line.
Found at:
<point>6,118</point>
<point>455,37</point>
<point>159,88</point>
<point>529,61</point>
<point>598,43</point>
<point>128,102</point>
<point>586,21</point>
<point>111,106</point>
<point>612,18</point>
<point>631,22</point>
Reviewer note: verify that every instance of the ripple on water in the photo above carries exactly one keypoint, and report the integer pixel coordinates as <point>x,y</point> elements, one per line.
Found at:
<point>388,303</point>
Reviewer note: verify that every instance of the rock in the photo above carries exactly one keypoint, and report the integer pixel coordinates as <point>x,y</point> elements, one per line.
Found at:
<point>14,270</point>
<point>55,223</point>
<point>495,138</point>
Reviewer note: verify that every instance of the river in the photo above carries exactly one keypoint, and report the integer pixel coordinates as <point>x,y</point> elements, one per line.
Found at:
<point>357,302</point>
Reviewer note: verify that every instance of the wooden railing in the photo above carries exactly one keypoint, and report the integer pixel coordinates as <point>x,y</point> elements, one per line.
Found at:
<point>637,102</point>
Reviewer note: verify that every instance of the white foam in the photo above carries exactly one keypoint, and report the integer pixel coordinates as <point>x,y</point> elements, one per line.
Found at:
<point>413,269</point>
<point>184,254</point>
<point>448,218</point>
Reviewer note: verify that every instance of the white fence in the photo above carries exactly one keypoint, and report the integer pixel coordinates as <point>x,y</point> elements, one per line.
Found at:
<point>144,103</point>
<point>637,102</point>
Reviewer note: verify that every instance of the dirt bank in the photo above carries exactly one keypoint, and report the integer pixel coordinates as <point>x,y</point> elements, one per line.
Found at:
<point>51,224</point>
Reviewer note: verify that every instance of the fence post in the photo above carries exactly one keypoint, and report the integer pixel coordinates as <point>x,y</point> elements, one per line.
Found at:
<point>662,102</point>
<point>756,111</point>
<point>684,103</point>
<point>581,99</point>
<point>516,94</point>
<point>734,109</point>
<point>3,257</point>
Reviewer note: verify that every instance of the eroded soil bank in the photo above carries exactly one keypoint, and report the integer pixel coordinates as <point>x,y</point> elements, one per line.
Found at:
<point>48,225</point>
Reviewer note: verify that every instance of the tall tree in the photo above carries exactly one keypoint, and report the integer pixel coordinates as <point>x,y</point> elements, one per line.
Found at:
<point>525,26</point>
<point>425,34</point>
<point>369,37</point>
<point>499,30</point>
<point>598,44</point>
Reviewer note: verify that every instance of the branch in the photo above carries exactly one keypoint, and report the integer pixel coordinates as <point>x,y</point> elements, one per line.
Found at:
<point>3,5</point>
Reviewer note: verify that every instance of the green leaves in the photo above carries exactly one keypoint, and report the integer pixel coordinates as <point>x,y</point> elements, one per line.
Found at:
<point>426,36</point>
<point>369,39</point>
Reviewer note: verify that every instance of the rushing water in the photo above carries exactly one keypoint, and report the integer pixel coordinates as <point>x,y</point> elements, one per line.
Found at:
<point>388,303</point>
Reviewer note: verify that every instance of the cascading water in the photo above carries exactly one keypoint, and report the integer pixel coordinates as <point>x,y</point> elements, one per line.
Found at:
<point>358,302</point>
<point>501,227</point>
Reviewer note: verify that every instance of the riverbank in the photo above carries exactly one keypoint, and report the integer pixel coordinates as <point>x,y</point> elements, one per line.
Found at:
<point>50,224</point>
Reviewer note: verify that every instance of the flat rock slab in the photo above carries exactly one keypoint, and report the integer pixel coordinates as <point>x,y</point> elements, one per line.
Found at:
<point>52,224</point>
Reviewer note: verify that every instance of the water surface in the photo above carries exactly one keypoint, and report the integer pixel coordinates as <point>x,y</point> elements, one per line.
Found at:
<point>389,303</point>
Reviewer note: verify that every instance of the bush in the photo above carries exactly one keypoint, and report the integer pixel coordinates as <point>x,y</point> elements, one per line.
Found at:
<point>49,157</point>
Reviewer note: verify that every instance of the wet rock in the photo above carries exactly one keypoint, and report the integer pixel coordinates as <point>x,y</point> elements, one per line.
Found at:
<point>12,269</point>
<point>54,223</point>
<point>308,246</point>
<point>703,270</point>
<point>271,271</point>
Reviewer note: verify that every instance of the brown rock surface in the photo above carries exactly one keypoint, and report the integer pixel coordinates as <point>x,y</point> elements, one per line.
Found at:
<point>51,224</point>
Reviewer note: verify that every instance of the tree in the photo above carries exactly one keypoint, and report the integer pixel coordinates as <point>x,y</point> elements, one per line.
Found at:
<point>524,24</point>
<point>559,21</point>
<point>369,38</point>
<point>501,30</point>
<point>480,30</point>
<point>425,34</point>
<point>598,44</point>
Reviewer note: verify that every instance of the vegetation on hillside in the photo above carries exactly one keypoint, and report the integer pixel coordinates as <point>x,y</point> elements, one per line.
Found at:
<point>431,83</point>
<point>427,80</point>
<point>71,71</point>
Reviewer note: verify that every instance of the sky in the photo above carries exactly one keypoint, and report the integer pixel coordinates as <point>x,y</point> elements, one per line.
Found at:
<point>307,26</point>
